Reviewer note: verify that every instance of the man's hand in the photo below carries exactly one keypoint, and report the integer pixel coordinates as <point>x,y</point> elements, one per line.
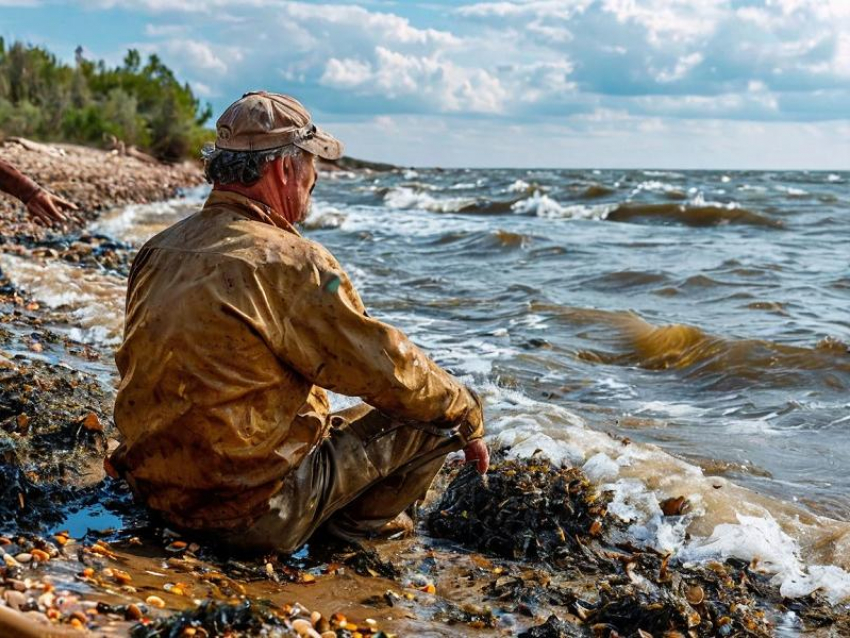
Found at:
<point>49,208</point>
<point>476,451</point>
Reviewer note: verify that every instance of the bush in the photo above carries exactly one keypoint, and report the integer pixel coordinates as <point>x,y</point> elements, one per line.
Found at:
<point>89,103</point>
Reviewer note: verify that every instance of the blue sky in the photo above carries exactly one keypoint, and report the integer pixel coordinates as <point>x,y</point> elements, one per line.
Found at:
<point>573,83</point>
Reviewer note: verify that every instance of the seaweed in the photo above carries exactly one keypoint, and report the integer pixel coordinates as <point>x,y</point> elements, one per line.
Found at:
<point>522,511</point>
<point>217,619</point>
<point>555,518</point>
<point>52,441</point>
<point>554,627</point>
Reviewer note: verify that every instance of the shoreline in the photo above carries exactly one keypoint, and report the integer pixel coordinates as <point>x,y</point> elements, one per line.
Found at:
<point>446,582</point>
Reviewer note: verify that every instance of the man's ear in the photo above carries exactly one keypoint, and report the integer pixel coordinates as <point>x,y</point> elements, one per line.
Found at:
<point>280,172</point>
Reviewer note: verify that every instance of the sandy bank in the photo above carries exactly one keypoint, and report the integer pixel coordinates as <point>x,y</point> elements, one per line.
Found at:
<point>93,179</point>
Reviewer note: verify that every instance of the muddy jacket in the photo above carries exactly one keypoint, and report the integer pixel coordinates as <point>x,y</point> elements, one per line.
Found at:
<point>234,328</point>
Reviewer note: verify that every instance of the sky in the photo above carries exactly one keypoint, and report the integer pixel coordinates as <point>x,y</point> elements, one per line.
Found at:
<point>717,84</point>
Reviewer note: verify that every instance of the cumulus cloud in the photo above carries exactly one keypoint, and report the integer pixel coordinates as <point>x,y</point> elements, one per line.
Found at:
<point>636,64</point>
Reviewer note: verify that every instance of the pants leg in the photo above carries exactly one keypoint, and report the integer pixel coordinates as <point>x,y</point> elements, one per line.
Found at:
<point>371,466</point>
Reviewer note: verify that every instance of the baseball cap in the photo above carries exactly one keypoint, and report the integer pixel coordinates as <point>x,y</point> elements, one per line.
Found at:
<point>262,121</point>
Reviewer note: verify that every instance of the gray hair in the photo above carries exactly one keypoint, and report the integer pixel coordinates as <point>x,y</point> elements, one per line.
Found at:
<point>245,167</point>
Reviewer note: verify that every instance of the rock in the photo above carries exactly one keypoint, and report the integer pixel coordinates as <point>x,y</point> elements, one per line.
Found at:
<point>15,599</point>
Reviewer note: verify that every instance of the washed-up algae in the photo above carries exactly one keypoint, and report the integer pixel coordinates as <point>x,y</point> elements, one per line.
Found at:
<point>251,619</point>
<point>555,518</point>
<point>52,440</point>
<point>523,511</point>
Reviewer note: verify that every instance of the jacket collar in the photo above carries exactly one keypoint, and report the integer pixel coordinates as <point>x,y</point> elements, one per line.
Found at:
<point>247,207</point>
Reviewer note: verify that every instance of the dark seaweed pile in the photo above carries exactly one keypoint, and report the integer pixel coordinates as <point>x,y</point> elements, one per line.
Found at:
<point>52,441</point>
<point>554,517</point>
<point>217,619</point>
<point>528,511</point>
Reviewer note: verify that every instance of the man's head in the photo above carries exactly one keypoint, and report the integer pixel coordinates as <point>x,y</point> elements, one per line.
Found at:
<point>266,144</point>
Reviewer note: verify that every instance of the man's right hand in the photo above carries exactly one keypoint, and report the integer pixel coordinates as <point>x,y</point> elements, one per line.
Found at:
<point>48,208</point>
<point>476,452</point>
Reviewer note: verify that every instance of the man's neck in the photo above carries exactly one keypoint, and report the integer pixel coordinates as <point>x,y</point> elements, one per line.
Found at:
<point>272,198</point>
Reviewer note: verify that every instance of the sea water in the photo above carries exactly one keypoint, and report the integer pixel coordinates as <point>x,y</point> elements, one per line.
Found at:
<point>674,333</point>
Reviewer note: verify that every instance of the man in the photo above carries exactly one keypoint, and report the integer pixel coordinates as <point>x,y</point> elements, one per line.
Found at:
<point>236,325</point>
<point>42,205</point>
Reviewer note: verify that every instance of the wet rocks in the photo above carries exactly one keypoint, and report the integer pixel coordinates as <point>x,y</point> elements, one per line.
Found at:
<point>47,452</point>
<point>252,619</point>
<point>554,627</point>
<point>94,180</point>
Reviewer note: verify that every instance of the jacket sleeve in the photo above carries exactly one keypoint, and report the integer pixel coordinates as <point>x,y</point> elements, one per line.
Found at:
<point>329,339</point>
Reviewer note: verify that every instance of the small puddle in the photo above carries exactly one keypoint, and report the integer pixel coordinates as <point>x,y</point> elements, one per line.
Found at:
<point>91,518</point>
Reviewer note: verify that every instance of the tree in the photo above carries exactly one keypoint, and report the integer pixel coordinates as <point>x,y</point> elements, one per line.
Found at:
<point>139,103</point>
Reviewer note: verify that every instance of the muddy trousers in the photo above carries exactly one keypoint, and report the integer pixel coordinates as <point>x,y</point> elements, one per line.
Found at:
<point>365,473</point>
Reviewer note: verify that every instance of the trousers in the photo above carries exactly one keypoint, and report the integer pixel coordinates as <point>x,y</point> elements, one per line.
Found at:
<point>368,470</point>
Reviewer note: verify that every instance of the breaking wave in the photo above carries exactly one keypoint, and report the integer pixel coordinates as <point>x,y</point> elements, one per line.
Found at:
<point>697,212</point>
<point>708,214</point>
<point>698,354</point>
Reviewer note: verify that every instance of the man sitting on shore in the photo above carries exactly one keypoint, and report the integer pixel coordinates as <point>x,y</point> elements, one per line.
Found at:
<point>236,325</point>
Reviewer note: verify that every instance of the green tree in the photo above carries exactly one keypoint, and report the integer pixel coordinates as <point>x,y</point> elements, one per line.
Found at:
<point>140,103</point>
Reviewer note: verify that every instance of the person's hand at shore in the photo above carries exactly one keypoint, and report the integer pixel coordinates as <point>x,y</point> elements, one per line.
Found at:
<point>476,452</point>
<point>47,208</point>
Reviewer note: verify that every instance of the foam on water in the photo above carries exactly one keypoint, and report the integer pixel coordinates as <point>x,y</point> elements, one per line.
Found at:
<point>138,222</point>
<point>542,205</point>
<point>803,552</point>
<point>93,300</point>
<point>405,197</point>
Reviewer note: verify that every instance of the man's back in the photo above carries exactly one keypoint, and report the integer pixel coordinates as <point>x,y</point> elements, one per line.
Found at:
<point>203,389</point>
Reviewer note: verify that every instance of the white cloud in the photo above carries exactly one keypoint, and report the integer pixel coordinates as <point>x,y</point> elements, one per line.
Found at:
<point>596,66</point>
<point>195,55</point>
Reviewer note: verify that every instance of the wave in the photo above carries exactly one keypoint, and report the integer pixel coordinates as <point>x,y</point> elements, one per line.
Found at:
<point>721,362</point>
<point>594,191</point>
<point>697,213</point>
<point>707,214</point>
<point>91,302</point>
<point>542,205</point>
<point>407,198</point>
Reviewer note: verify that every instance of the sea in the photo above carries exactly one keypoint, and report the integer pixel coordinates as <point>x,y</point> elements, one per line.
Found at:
<point>674,333</point>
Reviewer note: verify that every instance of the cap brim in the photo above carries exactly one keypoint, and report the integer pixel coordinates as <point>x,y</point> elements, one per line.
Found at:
<point>322,144</point>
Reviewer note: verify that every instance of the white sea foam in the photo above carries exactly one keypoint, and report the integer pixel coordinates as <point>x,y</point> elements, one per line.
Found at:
<point>93,300</point>
<point>792,191</point>
<point>669,408</point>
<point>138,222</point>
<point>405,197</point>
<point>519,186</point>
<point>669,174</point>
<point>323,215</point>
<point>654,185</point>
<point>542,205</point>
<point>802,552</point>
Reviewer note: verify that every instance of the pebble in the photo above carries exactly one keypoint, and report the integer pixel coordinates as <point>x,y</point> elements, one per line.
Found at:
<point>40,555</point>
<point>133,612</point>
<point>304,628</point>
<point>24,557</point>
<point>14,599</point>
<point>155,601</point>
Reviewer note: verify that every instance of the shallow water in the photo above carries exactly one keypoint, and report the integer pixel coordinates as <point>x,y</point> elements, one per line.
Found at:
<point>703,312</point>
<point>711,318</point>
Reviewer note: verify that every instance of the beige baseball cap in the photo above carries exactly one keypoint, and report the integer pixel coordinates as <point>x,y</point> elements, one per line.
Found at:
<point>262,121</point>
